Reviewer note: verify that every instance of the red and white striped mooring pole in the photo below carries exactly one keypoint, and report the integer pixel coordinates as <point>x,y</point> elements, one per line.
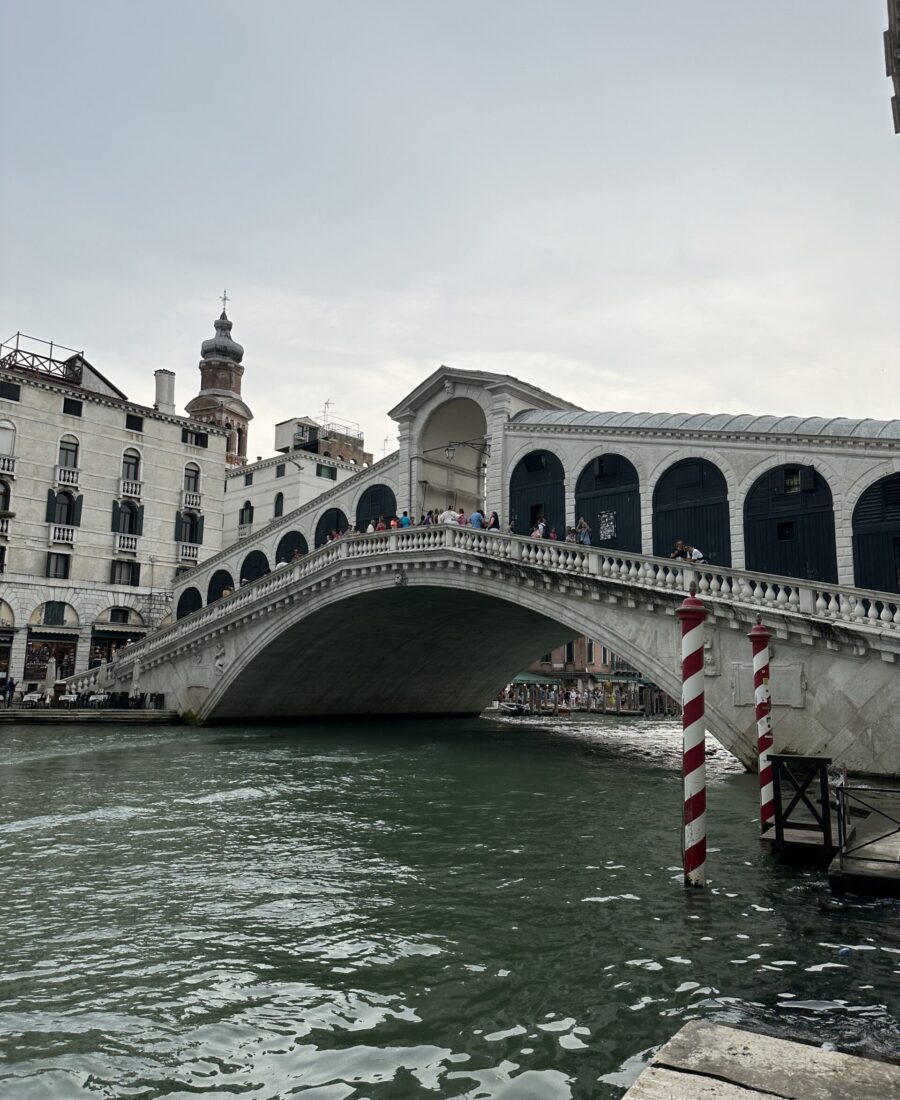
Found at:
<point>759,639</point>
<point>692,614</point>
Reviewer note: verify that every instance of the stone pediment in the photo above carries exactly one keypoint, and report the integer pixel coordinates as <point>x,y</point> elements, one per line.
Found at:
<point>448,378</point>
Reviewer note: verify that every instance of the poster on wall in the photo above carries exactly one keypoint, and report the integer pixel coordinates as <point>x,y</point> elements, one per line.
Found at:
<point>606,526</point>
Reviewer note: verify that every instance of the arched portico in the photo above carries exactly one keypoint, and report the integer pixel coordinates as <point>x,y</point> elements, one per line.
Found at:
<point>608,497</point>
<point>690,502</point>
<point>876,536</point>
<point>537,490</point>
<point>789,524</point>
<point>452,457</point>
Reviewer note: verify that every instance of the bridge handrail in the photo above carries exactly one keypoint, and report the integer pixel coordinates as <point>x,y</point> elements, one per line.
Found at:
<point>287,520</point>
<point>834,604</point>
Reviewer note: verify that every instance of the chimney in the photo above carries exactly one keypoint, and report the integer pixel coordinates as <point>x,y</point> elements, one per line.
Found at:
<point>165,391</point>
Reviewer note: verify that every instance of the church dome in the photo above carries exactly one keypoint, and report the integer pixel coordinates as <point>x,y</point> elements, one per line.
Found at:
<point>221,346</point>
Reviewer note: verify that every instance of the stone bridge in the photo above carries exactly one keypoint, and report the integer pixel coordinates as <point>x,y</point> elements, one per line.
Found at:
<point>436,620</point>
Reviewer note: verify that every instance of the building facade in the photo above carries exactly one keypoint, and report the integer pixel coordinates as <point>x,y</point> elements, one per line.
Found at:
<point>102,502</point>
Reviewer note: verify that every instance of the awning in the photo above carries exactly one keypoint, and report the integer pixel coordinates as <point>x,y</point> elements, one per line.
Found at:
<point>56,633</point>
<point>534,678</point>
<point>112,632</point>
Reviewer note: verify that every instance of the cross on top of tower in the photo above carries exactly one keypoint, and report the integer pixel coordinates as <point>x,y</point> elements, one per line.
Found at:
<point>225,299</point>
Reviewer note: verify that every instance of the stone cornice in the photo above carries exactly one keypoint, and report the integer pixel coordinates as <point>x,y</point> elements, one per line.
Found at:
<point>771,439</point>
<point>113,402</point>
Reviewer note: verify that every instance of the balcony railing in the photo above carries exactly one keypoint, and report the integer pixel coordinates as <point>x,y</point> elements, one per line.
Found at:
<point>4,527</point>
<point>190,551</point>
<point>8,465</point>
<point>190,499</point>
<point>61,533</point>
<point>129,488</point>
<point>244,529</point>
<point>67,475</point>
<point>127,544</point>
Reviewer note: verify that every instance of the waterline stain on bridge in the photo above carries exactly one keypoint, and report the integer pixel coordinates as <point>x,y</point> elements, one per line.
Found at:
<point>373,911</point>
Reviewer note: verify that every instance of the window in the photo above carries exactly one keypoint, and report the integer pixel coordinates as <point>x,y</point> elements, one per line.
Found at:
<point>547,659</point>
<point>570,652</point>
<point>10,391</point>
<point>133,422</point>
<point>192,478</point>
<point>194,438</point>
<point>189,527</point>
<point>119,614</point>
<point>4,496</point>
<point>590,653</point>
<point>279,505</point>
<point>54,613</point>
<point>279,470</point>
<point>64,510</point>
<point>246,513</point>
<point>124,572</point>
<point>248,479</point>
<point>68,452</point>
<point>326,471</point>
<point>128,519</point>
<point>71,407</point>
<point>792,480</point>
<point>7,437</point>
<point>131,465</point>
<point>58,565</point>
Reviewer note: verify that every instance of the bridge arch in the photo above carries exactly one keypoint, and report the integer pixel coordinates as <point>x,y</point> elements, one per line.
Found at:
<point>608,495</point>
<point>876,536</point>
<point>789,524</point>
<point>690,502</point>
<point>254,566</point>
<point>537,487</point>
<point>452,449</point>
<point>376,501</point>
<point>289,544</point>
<point>219,584</point>
<point>189,601</point>
<point>332,519</point>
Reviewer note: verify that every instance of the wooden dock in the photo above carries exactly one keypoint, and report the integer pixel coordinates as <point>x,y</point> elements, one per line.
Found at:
<point>707,1061</point>
<point>868,860</point>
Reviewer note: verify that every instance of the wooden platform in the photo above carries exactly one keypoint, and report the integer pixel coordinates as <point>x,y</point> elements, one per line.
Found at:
<point>706,1061</point>
<point>105,715</point>
<point>877,838</point>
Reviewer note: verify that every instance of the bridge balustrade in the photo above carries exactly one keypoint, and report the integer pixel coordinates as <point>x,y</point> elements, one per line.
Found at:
<point>833,603</point>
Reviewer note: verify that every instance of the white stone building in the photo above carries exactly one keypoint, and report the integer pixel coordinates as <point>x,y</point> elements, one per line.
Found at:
<point>102,501</point>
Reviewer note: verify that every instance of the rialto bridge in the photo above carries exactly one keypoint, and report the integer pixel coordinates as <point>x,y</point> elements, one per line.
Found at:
<point>799,520</point>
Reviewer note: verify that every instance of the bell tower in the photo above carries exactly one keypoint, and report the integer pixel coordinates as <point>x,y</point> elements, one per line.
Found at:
<point>219,401</point>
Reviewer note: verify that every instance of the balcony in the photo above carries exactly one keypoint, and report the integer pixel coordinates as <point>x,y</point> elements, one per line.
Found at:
<point>8,465</point>
<point>244,529</point>
<point>129,488</point>
<point>190,551</point>
<point>191,500</point>
<point>4,528</point>
<point>61,534</point>
<point>68,475</point>
<point>127,544</point>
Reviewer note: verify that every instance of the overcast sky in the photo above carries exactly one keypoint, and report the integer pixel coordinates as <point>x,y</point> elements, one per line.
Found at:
<point>638,205</point>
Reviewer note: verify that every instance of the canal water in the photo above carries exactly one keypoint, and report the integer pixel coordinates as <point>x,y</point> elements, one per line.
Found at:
<point>478,909</point>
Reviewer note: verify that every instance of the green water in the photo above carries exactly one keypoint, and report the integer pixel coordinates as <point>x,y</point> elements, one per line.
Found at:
<point>442,909</point>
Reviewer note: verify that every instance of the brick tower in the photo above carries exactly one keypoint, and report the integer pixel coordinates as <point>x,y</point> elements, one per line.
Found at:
<point>219,401</point>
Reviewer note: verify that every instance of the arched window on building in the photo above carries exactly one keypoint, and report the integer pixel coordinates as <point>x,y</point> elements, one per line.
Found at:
<point>290,545</point>
<point>131,465</point>
<point>128,518</point>
<point>690,502</point>
<point>64,512</point>
<point>68,452</point>
<point>333,519</point>
<point>537,491</point>
<point>378,501</point>
<point>876,536</point>
<point>5,496</point>
<point>189,601</point>
<point>221,583</point>
<point>246,513</point>
<point>190,527</point>
<point>7,437</point>
<point>608,497</point>
<point>192,478</point>
<point>255,565</point>
<point>789,525</point>
<point>279,505</point>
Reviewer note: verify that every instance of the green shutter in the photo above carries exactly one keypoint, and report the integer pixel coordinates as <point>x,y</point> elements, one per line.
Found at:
<point>51,506</point>
<point>139,525</point>
<point>135,573</point>
<point>76,511</point>
<point>200,531</point>
<point>115,516</point>
<point>178,525</point>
